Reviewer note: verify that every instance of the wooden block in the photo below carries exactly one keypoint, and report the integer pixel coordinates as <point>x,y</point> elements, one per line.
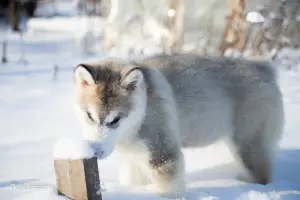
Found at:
<point>78,179</point>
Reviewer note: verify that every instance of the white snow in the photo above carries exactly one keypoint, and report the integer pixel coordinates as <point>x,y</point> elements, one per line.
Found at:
<point>36,111</point>
<point>72,148</point>
<point>254,17</point>
<point>66,24</point>
<point>171,12</point>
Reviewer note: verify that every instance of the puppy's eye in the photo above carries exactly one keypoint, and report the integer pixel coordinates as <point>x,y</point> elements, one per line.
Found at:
<point>90,116</point>
<point>114,122</point>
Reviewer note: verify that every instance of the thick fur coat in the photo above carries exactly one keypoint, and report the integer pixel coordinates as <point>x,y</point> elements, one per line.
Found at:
<point>148,110</point>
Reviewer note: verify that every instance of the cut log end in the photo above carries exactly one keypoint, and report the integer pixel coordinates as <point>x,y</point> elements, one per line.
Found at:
<point>78,179</point>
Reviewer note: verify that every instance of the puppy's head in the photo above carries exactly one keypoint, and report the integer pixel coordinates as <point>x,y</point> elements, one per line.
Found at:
<point>111,101</point>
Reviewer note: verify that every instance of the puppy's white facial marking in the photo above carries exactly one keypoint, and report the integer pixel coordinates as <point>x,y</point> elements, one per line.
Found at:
<point>112,107</point>
<point>92,114</point>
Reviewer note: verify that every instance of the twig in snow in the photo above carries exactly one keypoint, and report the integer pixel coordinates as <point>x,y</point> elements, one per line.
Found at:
<point>4,58</point>
<point>55,72</point>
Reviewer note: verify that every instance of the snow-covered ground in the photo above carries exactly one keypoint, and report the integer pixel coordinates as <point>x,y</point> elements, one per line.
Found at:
<point>36,110</point>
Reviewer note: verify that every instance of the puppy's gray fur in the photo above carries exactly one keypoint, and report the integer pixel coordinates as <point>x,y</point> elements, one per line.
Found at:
<point>184,100</point>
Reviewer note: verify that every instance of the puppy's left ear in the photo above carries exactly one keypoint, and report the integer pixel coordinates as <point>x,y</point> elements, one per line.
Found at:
<point>83,75</point>
<point>132,79</point>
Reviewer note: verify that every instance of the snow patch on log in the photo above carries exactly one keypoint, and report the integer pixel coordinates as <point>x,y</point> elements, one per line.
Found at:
<point>72,148</point>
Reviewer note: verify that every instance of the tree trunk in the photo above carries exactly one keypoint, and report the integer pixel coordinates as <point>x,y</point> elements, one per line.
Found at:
<point>175,23</point>
<point>15,9</point>
<point>235,34</point>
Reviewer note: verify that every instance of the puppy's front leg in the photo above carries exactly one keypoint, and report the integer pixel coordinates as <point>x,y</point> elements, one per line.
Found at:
<point>168,175</point>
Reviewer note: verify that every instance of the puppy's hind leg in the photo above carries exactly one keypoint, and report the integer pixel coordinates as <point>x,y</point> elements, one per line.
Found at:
<point>256,136</point>
<point>255,150</point>
<point>255,158</point>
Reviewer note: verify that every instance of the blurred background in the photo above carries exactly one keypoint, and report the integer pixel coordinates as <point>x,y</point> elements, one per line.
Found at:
<point>135,28</point>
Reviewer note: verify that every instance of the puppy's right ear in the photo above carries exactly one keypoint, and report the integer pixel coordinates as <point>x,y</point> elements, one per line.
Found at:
<point>83,75</point>
<point>132,78</point>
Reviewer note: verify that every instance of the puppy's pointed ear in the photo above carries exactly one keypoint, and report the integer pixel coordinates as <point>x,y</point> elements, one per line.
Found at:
<point>83,75</point>
<point>132,79</point>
